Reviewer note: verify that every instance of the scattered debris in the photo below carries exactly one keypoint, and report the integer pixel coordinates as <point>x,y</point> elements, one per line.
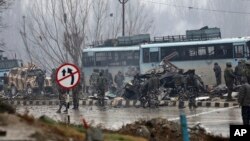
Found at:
<point>161,129</point>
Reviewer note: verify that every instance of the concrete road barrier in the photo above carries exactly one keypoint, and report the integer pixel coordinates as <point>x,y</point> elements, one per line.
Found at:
<point>121,103</point>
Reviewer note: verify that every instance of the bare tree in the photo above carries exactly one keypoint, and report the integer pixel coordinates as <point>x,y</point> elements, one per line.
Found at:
<point>138,18</point>
<point>107,19</point>
<point>56,31</point>
<point>4,4</point>
<point>100,14</point>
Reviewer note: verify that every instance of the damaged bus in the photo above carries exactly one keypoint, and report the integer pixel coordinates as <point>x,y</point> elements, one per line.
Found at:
<point>199,55</point>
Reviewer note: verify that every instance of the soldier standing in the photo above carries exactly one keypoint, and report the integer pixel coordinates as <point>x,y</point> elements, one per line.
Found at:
<point>244,101</point>
<point>247,71</point>
<point>239,69</point>
<point>62,99</point>
<point>229,80</point>
<point>179,82</point>
<point>101,84</point>
<point>217,71</point>
<point>75,96</point>
<point>192,86</point>
<point>152,91</point>
<point>109,77</point>
<point>119,78</point>
<point>153,82</point>
<point>40,81</point>
<point>93,80</point>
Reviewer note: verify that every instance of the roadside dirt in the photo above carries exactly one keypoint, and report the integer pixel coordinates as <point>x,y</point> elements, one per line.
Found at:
<point>26,127</point>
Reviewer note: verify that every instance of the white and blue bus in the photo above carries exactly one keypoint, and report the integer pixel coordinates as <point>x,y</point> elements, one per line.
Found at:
<point>124,59</point>
<point>198,55</point>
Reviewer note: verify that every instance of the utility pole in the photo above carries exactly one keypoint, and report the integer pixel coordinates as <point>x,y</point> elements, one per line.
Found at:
<point>123,2</point>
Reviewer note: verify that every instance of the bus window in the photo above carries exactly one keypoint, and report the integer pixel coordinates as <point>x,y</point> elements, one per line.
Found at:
<point>223,51</point>
<point>101,58</point>
<point>210,50</point>
<point>239,51</point>
<point>154,57</point>
<point>88,59</point>
<point>167,51</point>
<point>202,51</point>
<point>192,52</point>
<point>154,54</point>
<point>145,55</point>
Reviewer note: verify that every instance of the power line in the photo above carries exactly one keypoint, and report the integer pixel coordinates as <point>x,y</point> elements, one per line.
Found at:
<point>197,8</point>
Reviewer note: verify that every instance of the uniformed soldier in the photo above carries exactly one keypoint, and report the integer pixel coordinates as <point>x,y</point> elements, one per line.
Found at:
<point>153,82</point>
<point>101,84</point>
<point>62,99</point>
<point>192,86</point>
<point>40,81</point>
<point>93,80</point>
<point>152,91</point>
<point>75,96</point>
<point>109,77</point>
<point>119,78</point>
<point>247,71</point>
<point>229,79</point>
<point>244,101</point>
<point>179,82</point>
<point>239,69</point>
<point>217,71</point>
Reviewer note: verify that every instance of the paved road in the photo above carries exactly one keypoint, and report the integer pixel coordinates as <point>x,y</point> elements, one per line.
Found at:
<point>216,120</point>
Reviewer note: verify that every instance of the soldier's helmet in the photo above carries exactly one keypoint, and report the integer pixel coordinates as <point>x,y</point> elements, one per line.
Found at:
<point>229,64</point>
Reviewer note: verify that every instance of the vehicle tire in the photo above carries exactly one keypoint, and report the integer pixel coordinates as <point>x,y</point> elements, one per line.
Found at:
<point>13,91</point>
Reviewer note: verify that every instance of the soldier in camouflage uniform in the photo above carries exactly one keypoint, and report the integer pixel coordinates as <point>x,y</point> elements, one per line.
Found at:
<point>93,80</point>
<point>75,96</point>
<point>244,101</point>
<point>192,87</point>
<point>62,99</point>
<point>109,78</point>
<point>179,82</point>
<point>229,79</point>
<point>101,85</point>
<point>119,78</point>
<point>247,71</point>
<point>217,71</point>
<point>239,71</point>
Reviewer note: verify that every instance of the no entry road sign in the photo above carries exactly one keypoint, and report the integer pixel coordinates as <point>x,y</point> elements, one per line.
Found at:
<point>68,76</point>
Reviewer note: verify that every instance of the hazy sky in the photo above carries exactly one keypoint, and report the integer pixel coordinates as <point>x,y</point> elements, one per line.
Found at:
<point>171,17</point>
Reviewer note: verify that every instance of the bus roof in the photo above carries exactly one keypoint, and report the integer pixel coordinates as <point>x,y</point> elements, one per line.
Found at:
<point>207,42</point>
<point>126,48</point>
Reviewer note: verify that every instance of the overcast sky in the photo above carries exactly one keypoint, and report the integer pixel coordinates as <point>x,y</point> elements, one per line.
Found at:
<point>172,17</point>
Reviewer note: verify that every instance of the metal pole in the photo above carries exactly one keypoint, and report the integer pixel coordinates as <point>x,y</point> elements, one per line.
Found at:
<point>123,2</point>
<point>123,18</point>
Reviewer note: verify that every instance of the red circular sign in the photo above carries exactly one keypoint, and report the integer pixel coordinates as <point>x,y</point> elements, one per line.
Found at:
<point>68,76</point>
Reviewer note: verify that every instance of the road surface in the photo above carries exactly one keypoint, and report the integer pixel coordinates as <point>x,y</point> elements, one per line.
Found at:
<point>215,120</point>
